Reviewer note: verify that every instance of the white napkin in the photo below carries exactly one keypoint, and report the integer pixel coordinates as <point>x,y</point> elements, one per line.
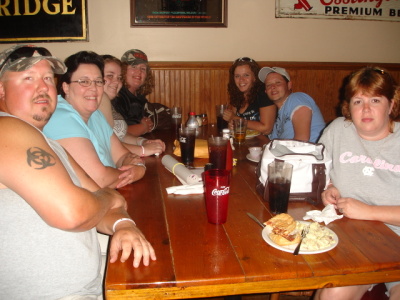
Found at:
<point>327,215</point>
<point>180,171</point>
<point>186,189</point>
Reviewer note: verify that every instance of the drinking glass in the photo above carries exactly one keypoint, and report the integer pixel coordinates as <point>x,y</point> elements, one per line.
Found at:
<point>216,191</point>
<point>217,152</point>
<point>239,130</point>
<point>277,191</point>
<point>187,138</point>
<point>219,111</point>
<point>176,114</point>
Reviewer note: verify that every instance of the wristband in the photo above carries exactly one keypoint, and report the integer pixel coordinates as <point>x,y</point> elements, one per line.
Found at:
<point>140,140</point>
<point>122,220</point>
<point>140,165</point>
<point>142,151</point>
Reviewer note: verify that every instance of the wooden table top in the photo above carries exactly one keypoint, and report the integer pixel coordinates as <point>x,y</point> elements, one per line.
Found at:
<point>196,259</point>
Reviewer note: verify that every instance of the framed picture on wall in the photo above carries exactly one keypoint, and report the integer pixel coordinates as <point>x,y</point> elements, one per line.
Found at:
<point>43,21</point>
<point>171,13</point>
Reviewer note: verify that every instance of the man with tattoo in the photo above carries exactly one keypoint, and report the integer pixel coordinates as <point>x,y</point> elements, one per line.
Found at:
<point>49,208</point>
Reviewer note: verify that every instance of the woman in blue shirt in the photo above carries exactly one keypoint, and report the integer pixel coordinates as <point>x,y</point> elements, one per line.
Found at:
<point>82,129</point>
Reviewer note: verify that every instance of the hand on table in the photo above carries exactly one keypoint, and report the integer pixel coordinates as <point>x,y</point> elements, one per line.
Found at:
<point>353,208</point>
<point>132,170</point>
<point>130,173</point>
<point>147,123</point>
<point>126,238</point>
<point>156,141</point>
<point>349,207</point>
<point>330,196</point>
<point>153,147</point>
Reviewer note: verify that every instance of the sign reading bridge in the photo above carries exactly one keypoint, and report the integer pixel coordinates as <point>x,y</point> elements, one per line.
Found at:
<point>43,20</point>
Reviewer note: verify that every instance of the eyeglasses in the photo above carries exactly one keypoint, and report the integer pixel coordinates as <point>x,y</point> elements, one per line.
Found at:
<point>88,82</point>
<point>244,59</point>
<point>25,52</point>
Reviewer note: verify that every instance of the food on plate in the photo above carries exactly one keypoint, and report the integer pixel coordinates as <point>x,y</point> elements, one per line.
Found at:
<point>250,132</point>
<point>318,237</point>
<point>283,230</point>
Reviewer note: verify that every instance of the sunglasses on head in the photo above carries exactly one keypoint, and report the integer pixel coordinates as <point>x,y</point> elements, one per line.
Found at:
<point>382,72</point>
<point>25,52</point>
<point>248,59</point>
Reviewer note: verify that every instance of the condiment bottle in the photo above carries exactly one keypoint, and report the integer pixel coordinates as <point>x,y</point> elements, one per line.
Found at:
<point>205,119</point>
<point>199,120</point>
<point>192,122</point>
<point>229,152</point>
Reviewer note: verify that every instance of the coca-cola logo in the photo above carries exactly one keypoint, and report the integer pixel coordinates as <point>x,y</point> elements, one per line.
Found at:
<point>217,192</point>
<point>176,116</point>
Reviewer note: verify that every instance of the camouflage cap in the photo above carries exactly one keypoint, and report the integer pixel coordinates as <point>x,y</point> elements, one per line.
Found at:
<point>22,57</point>
<point>134,57</point>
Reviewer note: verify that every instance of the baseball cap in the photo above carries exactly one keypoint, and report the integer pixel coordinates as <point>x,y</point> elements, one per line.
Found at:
<point>266,70</point>
<point>22,57</point>
<point>134,57</point>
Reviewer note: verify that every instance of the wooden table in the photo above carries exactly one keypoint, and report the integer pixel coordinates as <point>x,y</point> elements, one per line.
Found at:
<point>196,259</point>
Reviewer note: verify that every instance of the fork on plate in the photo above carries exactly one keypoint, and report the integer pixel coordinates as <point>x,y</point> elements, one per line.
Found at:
<point>304,233</point>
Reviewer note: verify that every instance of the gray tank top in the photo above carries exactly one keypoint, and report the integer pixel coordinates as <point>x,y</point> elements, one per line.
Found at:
<point>41,262</point>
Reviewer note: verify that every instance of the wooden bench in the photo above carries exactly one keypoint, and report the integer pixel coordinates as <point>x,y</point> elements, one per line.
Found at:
<point>199,86</point>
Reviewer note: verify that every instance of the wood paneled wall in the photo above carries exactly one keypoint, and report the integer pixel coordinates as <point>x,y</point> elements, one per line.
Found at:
<point>199,86</point>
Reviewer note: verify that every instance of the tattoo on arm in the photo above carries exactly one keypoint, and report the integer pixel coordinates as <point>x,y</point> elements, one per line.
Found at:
<point>39,158</point>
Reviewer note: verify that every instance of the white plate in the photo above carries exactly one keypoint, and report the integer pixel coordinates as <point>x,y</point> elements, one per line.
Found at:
<point>266,231</point>
<point>252,133</point>
<point>252,159</point>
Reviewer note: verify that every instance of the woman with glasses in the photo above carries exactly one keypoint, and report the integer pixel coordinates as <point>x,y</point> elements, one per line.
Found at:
<point>82,129</point>
<point>113,84</point>
<point>131,100</point>
<point>247,97</point>
<point>364,146</point>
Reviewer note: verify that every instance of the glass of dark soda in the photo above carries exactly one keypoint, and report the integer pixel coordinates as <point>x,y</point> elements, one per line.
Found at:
<point>219,111</point>
<point>217,152</point>
<point>277,188</point>
<point>187,138</point>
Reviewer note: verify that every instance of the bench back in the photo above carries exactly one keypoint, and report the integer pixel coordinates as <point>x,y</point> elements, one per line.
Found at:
<point>199,86</point>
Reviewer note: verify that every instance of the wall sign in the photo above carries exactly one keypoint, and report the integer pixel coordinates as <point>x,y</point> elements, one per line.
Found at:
<point>170,13</point>
<point>43,20</point>
<point>383,10</point>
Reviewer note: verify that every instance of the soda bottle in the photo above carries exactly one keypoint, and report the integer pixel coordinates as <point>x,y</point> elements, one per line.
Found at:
<point>192,122</point>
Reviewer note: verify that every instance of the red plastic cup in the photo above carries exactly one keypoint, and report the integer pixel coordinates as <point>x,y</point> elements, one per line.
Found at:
<point>216,186</point>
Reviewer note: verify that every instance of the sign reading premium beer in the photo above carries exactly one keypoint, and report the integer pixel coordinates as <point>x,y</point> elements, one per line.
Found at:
<point>383,10</point>
<point>43,20</point>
